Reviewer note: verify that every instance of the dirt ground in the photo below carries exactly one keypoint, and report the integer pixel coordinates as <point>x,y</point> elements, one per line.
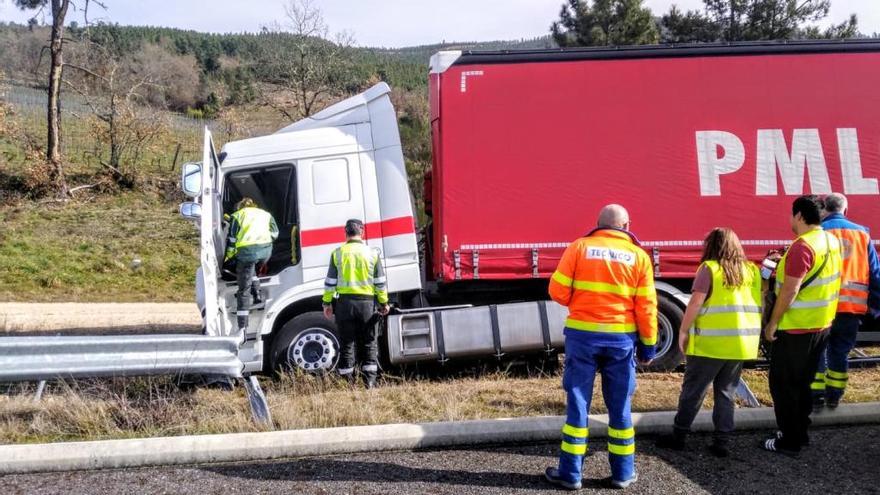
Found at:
<point>73,318</point>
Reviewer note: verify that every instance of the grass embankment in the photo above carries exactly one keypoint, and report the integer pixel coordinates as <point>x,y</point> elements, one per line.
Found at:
<point>87,251</point>
<point>154,407</point>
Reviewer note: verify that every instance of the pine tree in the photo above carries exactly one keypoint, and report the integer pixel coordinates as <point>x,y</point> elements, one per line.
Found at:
<point>605,22</point>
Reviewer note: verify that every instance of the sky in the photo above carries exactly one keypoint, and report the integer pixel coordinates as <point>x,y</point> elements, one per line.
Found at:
<point>388,23</point>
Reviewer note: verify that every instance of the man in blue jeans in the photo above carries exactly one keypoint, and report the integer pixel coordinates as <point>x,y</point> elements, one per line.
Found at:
<point>607,283</point>
<point>859,292</point>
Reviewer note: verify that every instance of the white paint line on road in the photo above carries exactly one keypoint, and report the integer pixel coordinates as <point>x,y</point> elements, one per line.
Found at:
<point>236,447</point>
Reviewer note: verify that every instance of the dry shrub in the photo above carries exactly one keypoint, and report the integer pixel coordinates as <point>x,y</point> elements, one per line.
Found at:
<point>115,408</point>
<point>177,77</point>
<point>234,124</point>
<point>35,180</point>
<point>135,131</point>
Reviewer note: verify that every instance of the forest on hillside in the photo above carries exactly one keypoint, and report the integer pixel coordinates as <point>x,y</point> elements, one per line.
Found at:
<point>124,101</point>
<point>96,119</point>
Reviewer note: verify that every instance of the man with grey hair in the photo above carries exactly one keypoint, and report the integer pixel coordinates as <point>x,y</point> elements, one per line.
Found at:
<point>859,293</point>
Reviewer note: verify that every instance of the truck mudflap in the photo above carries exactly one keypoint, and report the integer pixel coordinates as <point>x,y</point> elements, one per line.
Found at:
<point>461,331</point>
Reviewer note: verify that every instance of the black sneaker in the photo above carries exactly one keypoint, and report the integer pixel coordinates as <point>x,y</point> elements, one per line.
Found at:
<point>805,442</point>
<point>832,403</point>
<point>552,475</point>
<point>672,441</point>
<point>775,445</point>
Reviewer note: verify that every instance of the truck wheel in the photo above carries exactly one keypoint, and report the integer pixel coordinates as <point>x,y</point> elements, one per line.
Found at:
<point>308,342</point>
<point>669,316</point>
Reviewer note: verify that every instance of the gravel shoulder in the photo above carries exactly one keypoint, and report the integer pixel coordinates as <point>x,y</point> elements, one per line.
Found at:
<point>840,460</point>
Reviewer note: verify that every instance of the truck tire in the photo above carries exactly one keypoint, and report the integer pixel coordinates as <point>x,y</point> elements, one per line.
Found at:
<point>308,342</point>
<point>669,316</point>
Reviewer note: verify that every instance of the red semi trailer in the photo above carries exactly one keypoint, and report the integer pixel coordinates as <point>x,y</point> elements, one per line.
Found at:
<point>528,146</point>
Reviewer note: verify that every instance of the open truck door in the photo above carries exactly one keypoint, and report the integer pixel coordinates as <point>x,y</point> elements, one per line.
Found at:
<point>211,235</point>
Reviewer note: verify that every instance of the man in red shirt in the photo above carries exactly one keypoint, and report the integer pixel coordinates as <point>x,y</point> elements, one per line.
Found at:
<point>807,286</point>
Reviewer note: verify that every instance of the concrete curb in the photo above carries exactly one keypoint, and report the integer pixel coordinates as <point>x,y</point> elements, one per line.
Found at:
<point>238,447</point>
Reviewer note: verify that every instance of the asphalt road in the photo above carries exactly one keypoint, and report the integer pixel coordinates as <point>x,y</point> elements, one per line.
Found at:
<point>841,461</point>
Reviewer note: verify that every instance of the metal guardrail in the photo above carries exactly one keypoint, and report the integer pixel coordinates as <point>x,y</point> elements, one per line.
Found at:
<point>52,357</point>
<point>37,359</point>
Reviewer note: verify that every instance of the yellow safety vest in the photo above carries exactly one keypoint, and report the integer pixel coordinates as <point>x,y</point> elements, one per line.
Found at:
<point>356,265</point>
<point>815,304</point>
<point>728,325</point>
<point>255,227</point>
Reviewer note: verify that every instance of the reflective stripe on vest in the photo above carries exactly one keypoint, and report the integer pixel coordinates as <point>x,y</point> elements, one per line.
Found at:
<point>606,280</point>
<point>254,227</point>
<point>728,325</point>
<point>854,271</point>
<point>816,304</point>
<point>356,263</point>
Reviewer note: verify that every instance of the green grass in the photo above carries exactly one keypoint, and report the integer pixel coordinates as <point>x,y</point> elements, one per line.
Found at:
<point>84,251</point>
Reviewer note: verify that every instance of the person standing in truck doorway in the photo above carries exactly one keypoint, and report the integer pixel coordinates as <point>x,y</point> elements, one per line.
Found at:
<point>859,290</point>
<point>607,282</point>
<point>251,233</point>
<point>356,275</point>
<point>720,330</point>
<point>807,287</point>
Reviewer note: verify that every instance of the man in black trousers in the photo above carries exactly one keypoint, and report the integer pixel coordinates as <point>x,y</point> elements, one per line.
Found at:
<point>807,287</point>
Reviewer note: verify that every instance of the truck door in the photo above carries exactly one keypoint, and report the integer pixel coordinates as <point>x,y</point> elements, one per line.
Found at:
<point>211,235</point>
<point>330,192</point>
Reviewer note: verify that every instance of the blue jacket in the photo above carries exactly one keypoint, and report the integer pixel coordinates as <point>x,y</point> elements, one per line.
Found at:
<point>838,221</point>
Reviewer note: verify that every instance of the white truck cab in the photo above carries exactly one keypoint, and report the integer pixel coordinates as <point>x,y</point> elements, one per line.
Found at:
<point>346,162</point>
<point>343,162</point>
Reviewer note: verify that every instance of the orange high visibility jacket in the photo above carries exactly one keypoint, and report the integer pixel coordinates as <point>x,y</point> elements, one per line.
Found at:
<point>607,282</point>
<point>859,263</point>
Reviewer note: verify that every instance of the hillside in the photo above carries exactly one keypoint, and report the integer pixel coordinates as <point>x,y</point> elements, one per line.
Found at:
<point>119,238</point>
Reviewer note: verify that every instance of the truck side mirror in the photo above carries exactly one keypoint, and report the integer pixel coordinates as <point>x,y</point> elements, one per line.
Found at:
<point>190,210</point>
<point>191,179</point>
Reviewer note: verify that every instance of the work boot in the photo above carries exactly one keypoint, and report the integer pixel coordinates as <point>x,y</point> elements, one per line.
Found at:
<point>552,475</point>
<point>677,440</point>
<point>832,403</point>
<point>610,482</point>
<point>818,404</point>
<point>242,319</point>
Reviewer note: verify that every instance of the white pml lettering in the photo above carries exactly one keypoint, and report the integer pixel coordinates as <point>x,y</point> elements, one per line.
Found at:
<point>721,152</point>
<point>612,255</point>
<point>806,148</point>
<point>718,153</point>
<point>851,164</point>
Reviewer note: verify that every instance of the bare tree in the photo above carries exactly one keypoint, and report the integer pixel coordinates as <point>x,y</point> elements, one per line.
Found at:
<point>115,90</point>
<point>58,10</point>
<point>301,63</point>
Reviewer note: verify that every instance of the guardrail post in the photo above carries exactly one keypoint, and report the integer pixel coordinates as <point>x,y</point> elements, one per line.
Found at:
<point>745,393</point>
<point>41,387</point>
<point>257,399</point>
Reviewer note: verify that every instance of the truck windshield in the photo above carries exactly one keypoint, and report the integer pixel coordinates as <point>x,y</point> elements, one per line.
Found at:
<point>274,190</point>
